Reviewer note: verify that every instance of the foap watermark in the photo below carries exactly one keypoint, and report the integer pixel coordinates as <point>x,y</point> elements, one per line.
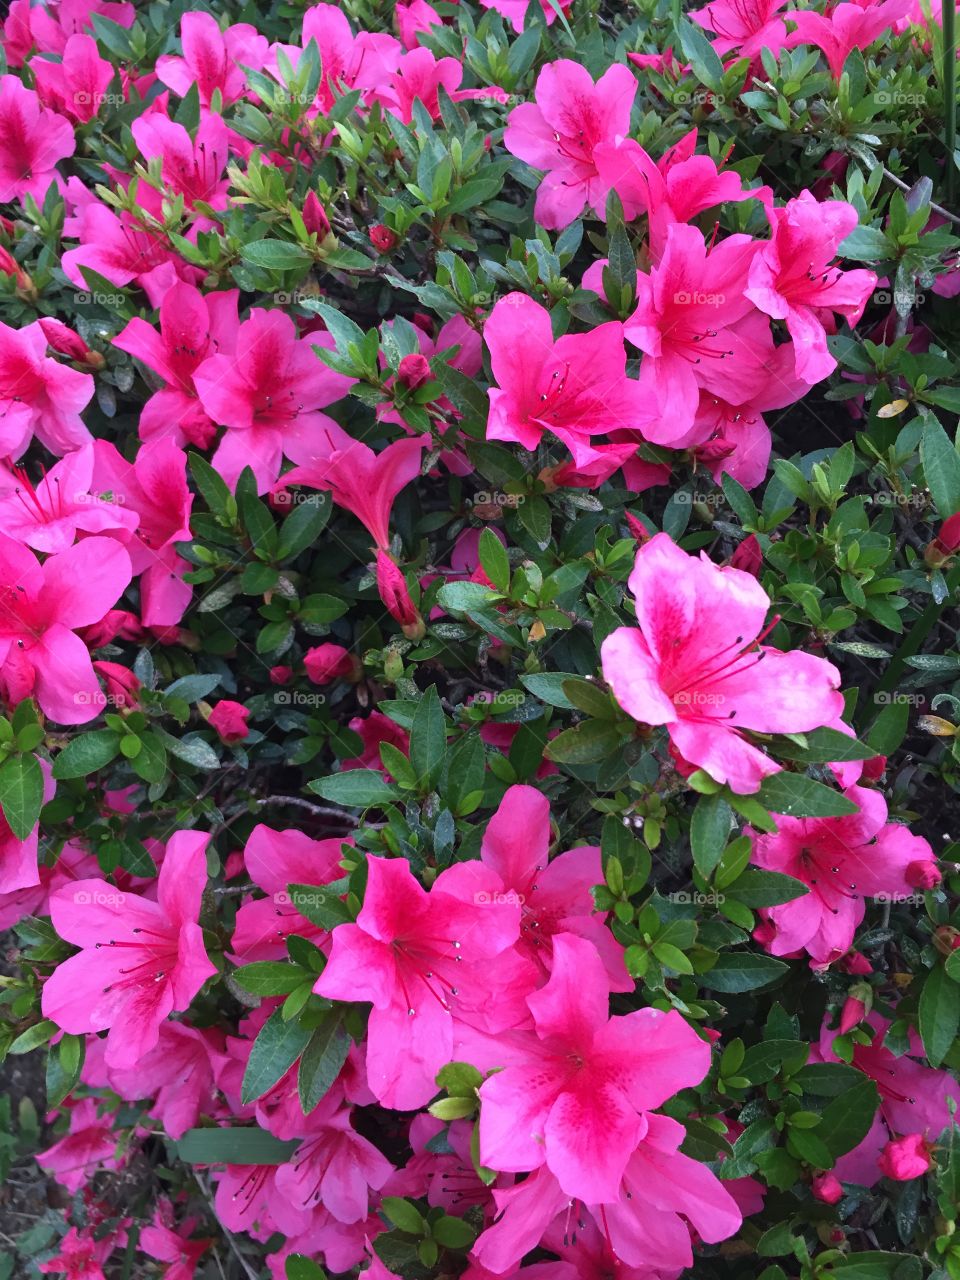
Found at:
<point>291,297</point>
<point>293,498</point>
<point>694,897</point>
<point>894,98</point>
<point>702,98</point>
<point>99,299</point>
<point>684,499</point>
<point>299,899</point>
<point>698,298</point>
<point>902,299</point>
<point>498,899</point>
<point>298,698</point>
<point>97,898</point>
<point>83,98</point>
<point>917,500</point>
<point>697,698</point>
<point>883,698</point>
<point>500,699</point>
<point>901,899</point>
<point>496,499</point>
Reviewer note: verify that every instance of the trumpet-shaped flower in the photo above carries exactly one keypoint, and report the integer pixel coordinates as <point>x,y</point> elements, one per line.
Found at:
<point>695,663</point>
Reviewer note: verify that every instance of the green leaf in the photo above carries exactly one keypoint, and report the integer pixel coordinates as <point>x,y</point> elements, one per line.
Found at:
<point>462,597</point>
<point>737,971</point>
<point>939,1014</point>
<point>701,55</point>
<point>548,687</point>
<point>709,830</point>
<point>428,740</point>
<point>824,746</point>
<point>356,788</point>
<point>150,762</point>
<point>797,796</point>
<point>941,467</point>
<point>34,1037</point>
<point>304,525</point>
<point>494,560</point>
<point>756,888</point>
<point>404,1215</point>
<point>299,1267</point>
<point>274,1051</point>
<point>21,793</point>
<point>275,255</point>
<point>865,244</point>
<point>269,978</point>
<point>211,484</point>
<point>234,1146</point>
<point>585,743</point>
<point>322,1060</point>
<point>878,1266</point>
<point>847,1119</point>
<point>87,753</point>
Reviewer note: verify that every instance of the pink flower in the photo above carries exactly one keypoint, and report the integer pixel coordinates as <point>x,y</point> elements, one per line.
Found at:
<point>905,1158</point>
<point>674,189</point>
<point>361,481</point>
<point>641,1227</point>
<point>193,326</point>
<point>81,1255</point>
<point>348,61</point>
<point>791,277</point>
<point>845,28</point>
<point>47,517</point>
<point>230,720</point>
<point>826,1188</point>
<point>423,960</point>
<point>275,860</point>
<point>574,1096</point>
<point>155,487</point>
<point>177,1074</point>
<point>334,1166</point>
<point>554,895</point>
<point>412,17</point>
<point>38,395</point>
<point>693,324</point>
<point>44,605</point>
<point>326,662</point>
<point>561,131</point>
<point>90,1145</point>
<point>744,26</point>
<point>167,1243</point>
<point>119,249</point>
<point>248,1197</point>
<point>211,58</point>
<point>852,1014</point>
<point>695,663</point>
<point>413,371</point>
<point>395,594</point>
<point>190,167</point>
<point>923,874</point>
<point>140,960</point>
<point>32,141</point>
<point>382,238</point>
<point>372,730</point>
<point>76,85</point>
<point>843,861</point>
<point>418,77</point>
<point>573,387</point>
<point>516,10</point>
<point>268,393</point>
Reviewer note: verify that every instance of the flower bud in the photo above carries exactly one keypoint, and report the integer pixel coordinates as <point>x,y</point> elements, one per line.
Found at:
<point>382,238</point>
<point>314,216</point>
<point>748,557</point>
<point>328,662</point>
<point>826,1187</point>
<point>905,1158</point>
<point>413,371</point>
<point>395,595</point>
<point>280,675</point>
<point>69,343</point>
<point>945,544</point>
<point>923,874</point>
<point>230,720</point>
<point>122,686</point>
<point>640,532</point>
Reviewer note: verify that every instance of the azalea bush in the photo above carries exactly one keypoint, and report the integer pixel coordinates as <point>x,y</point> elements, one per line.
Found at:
<point>480,736</point>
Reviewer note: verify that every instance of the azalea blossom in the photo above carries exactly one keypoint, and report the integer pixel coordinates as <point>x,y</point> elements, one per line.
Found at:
<point>560,132</point>
<point>48,516</point>
<point>846,27</point>
<point>76,85</point>
<point>695,663</point>
<point>574,387</point>
<point>154,486</point>
<point>843,861</point>
<point>162,1240</point>
<point>43,606</point>
<point>212,58</point>
<point>33,140</point>
<point>744,27</point>
<point>554,894</point>
<point>792,277</point>
<point>422,960</point>
<point>193,326</point>
<point>192,167</point>
<point>268,393</point>
<point>177,1075</point>
<point>574,1095</point>
<point>90,1144</point>
<point>39,395</point>
<point>139,961</point>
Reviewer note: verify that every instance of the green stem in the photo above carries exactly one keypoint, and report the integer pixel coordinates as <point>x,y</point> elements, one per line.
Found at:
<point>950,91</point>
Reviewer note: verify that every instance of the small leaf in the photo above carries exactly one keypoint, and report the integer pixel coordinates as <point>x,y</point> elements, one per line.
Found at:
<point>274,1051</point>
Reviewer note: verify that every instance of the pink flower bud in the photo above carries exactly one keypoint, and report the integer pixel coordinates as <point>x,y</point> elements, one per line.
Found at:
<point>946,543</point>
<point>314,216</point>
<point>748,557</point>
<point>414,371</point>
<point>382,238</point>
<point>853,1012</point>
<point>853,962</point>
<point>64,339</point>
<point>281,675</point>
<point>923,874</point>
<point>873,768</point>
<point>826,1187</point>
<point>905,1158</point>
<point>230,720</point>
<point>637,528</point>
<point>122,685</point>
<point>329,662</point>
<point>395,595</point>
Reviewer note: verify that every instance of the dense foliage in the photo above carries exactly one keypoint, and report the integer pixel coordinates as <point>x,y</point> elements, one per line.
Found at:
<point>479,552</point>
